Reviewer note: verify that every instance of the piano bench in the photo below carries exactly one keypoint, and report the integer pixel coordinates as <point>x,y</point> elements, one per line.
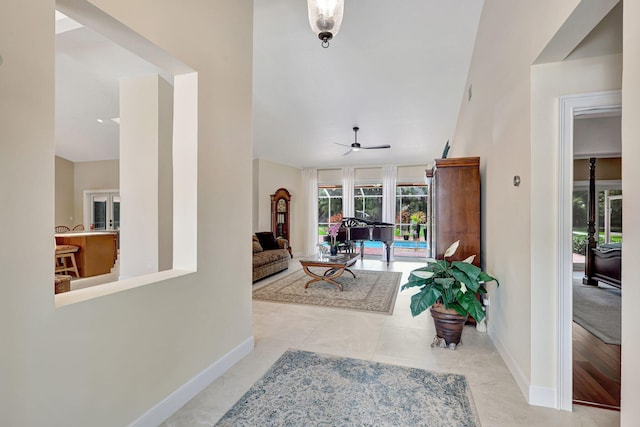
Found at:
<point>347,247</point>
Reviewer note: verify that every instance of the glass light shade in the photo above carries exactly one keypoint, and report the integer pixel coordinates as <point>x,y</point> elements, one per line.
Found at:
<point>325,16</point>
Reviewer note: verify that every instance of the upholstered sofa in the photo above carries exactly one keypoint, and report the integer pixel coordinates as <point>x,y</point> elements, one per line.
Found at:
<point>270,255</point>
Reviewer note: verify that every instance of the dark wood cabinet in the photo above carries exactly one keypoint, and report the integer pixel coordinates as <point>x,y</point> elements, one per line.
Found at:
<point>280,213</point>
<point>455,207</point>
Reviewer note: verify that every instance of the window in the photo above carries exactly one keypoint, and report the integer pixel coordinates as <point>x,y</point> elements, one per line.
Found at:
<point>611,215</point>
<point>368,202</point>
<point>608,214</point>
<point>329,208</point>
<point>411,220</point>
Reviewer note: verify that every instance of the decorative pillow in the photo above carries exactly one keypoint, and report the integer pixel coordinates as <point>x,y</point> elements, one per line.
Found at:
<point>256,247</point>
<point>282,242</point>
<point>267,240</point>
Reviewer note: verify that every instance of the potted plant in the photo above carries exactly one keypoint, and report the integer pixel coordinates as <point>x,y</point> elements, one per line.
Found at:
<point>417,219</point>
<point>451,290</point>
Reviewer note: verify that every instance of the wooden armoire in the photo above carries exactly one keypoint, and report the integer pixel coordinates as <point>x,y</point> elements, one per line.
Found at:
<point>454,212</point>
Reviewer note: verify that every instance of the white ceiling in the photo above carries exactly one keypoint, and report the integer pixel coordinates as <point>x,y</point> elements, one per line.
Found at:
<point>396,69</point>
<point>88,69</point>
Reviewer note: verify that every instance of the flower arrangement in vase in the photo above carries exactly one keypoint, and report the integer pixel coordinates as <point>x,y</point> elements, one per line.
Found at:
<point>333,234</point>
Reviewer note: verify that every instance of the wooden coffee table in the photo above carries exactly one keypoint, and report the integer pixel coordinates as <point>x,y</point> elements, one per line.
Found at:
<point>333,268</point>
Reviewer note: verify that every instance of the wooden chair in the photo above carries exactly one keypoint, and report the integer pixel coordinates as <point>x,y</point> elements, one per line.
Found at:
<point>61,283</point>
<point>62,228</point>
<point>78,227</point>
<point>64,253</point>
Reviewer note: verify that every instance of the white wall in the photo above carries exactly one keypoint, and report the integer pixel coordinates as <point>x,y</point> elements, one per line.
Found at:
<point>631,209</point>
<point>269,177</point>
<point>64,193</point>
<point>98,175</point>
<point>499,124</point>
<point>605,39</point>
<point>107,360</point>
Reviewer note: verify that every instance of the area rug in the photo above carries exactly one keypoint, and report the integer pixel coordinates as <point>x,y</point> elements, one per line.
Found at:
<point>311,389</point>
<point>598,310</point>
<point>374,291</point>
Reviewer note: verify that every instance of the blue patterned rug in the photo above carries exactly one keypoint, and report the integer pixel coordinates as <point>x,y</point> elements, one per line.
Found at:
<point>311,389</point>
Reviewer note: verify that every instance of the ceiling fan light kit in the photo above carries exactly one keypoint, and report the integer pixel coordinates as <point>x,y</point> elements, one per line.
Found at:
<point>325,18</point>
<point>356,145</point>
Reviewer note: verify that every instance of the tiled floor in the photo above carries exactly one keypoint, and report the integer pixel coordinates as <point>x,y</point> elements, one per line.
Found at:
<point>397,339</point>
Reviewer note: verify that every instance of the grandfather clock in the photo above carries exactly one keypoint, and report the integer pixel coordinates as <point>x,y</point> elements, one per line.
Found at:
<point>280,209</point>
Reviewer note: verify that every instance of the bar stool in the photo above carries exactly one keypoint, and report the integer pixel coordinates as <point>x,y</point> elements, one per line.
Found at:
<point>64,253</point>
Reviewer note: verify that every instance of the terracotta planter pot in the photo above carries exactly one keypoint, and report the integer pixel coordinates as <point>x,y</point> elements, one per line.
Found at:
<point>449,325</point>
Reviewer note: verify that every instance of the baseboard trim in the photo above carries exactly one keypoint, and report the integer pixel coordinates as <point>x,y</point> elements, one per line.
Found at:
<point>517,374</point>
<point>543,396</point>
<point>536,396</point>
<point>170,404</point>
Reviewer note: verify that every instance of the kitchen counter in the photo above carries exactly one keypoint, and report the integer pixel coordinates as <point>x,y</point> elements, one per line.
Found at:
<point>85,233</point>
<point>98,250</point>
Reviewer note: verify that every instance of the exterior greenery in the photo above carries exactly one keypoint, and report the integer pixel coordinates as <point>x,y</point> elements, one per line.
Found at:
<point>329,203</point>
<point>580,209</point>
<point>368,202</point>
<point>454,284</point>
<point>411,205</point>
<point>580,213</point>
<point>579,242</point>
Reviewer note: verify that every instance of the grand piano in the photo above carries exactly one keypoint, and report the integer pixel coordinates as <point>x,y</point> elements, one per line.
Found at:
<point>354,230</point>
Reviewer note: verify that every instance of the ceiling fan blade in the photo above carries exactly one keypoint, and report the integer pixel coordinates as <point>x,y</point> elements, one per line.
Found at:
<point>375,147</point>
<point>347,152</point>
<point>344,145</point>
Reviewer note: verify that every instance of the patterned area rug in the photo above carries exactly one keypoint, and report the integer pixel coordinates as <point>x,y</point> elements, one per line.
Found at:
<point>310,389</point>
<point>598,310</point>
<point>370,291</point>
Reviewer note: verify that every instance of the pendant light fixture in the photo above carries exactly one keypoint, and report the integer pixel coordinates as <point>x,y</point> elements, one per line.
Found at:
<point>325,18</point>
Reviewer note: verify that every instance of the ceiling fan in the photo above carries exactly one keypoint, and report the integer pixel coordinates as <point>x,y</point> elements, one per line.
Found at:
<point>356,145</point>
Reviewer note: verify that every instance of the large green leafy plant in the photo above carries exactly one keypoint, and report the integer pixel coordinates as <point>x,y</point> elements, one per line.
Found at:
<point>452,284</point>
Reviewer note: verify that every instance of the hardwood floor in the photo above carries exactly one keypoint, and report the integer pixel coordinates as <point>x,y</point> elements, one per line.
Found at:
<point>596,371</point>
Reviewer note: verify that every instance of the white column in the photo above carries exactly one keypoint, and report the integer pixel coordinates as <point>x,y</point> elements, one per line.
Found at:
<point>146,190</point>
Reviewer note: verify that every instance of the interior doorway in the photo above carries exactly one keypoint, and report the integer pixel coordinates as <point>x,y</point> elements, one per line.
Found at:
<point>581,352</point>
<point>597,320</point>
